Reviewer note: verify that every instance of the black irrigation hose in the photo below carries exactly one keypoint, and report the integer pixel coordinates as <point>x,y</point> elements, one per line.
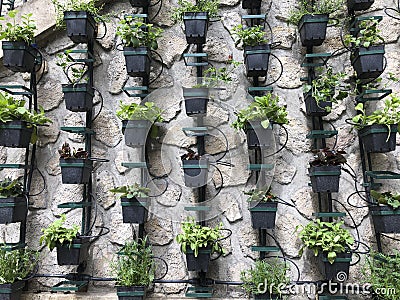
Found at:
<point>162,67</point>
<point>44,183</point>
<point>276,241</point>
<point>166,267</point>
<point>336,136</point>
<point>280,74</point>
<point>392,9</point>
<point>292,261</point>
<point>222,181</point>
<point>284,144</point>
<point>105,31</point>
<point>42,64</point>
<point>285,202</point>
<point>154,4</point>
<point>166,185</point>
<point>101,104</point>
<point>270,30</point>
<point>73,64</point>
<point>348,200</point>
<point>158,10</point>
<point>389,237</point>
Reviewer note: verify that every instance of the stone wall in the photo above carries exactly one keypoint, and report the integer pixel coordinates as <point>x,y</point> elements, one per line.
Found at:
<point>289,181</point>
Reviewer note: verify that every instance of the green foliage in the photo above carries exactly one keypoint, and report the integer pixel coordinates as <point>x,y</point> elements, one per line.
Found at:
<point>196,236</point>
<point>131,191</point>
<point>17,264</point>
<point>249,36</point>
<point>264,109</point>
<point>387,198</point>
<point>11,188</point>
<point>15,32</point>
<point>75,71</point>
<point>65,152</point>
<point>132,111</point>
<point>271,271</point>
<point>56,234</point>
<point>316,7</point>
<point>135,33</point>
<point>135,264</point>
<point>383,273</point>
<point>328,157</point>
<point>368,35</point>
<point>214,77</point>
<point>328,87</point>
<point>326,237</point>
<point>209,6</point>
<point>260,196</point>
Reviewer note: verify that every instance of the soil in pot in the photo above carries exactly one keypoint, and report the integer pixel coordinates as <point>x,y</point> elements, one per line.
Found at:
<point>316,109</point>
<point>74,253</point>
<point>251,4</point>
<point>135,132</point>
<point>19,56</point>
<point>196,26</point>
<point>375,138</point>
<point>312,29</point>
<point>81,26</point>
<point>356,5</point>
<point>196,100</point>
<point>15,134</point>
<point>368,62</point>
<point>78,97</point>
<point>131,292</point>
<point>258,136</point>
<point>385,219</point>
<point>263,214</point>
<point>335,271</point>
<point>195,172</point>
<point>13,210</point>
<point>11,291</point>
<point>325,178</point>
<point>256,59</point>
<point>75,170</point>
<point>134,210</point>
<point>199,263</point>
<point>137,61</point>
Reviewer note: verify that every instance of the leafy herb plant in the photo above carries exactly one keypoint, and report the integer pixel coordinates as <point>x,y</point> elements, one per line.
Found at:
<point>135,264</point>
<point>65,152</point>
<point>326,237</point>
<point>266,273</point>
<point>75,71</point>
<point>132,111</point>
<point>261,196</point>
<point>10,188</point>
<point>387,198</point>
<point>328,157</point>
<point>214,76</point>
<point>190,155</point>
<point>17,264</point>
<point>249,36</point>
<point>131,191</point>
<point>56,234</point>
<point>208,6</point>
<point>18,32</point>
<point>368,35</point>
<point>264,109</point>
<point>195,236</point>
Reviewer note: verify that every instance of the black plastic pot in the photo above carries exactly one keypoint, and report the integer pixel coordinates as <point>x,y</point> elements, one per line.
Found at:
<point>325,178</point>
<point>131,292</point>
<point>375,138</point>
<point>78,97</point>
<point>196,172</point>
<point>368,62</point>
<point>11,291</point>
<point>74,253</point>
<point>75,170</point>
<point>340,265</point>
<point>316,109</point>
<point>135,132</point>
<point>385,219</point>
<point>256,59</point>
<point>312,29</point>
<point>134,210</point>
<point>251,4</point>
<point>13,210</point>
<point>196,26</point>
<point>196,100</point>
<point>15,134</point>
<point>258,136</point>
<point>19,56</point>
<point>199,263</point>
<point>137,61</point>
<point>139,3</point>
<point>356,5</point>
<point>267,296</point>
<point>81,26</point>
<point>263,214</point>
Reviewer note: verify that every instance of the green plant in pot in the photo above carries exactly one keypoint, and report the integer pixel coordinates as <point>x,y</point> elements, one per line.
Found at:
<point>76,167</point>
<point>18,124</point>
<point>198,243</point>
<point>71,248</point>
<point>378,129</point>
<point>324,90</point>
<point>195,16</point>
<point>386,213</point>
<point>263,207</point>
<point>134,268</point>
<point>13,204</point>
<point>138,120</point>
<point>18,53</point>
<point>138,38</point>
<point>329,240</point>
<point>134,202</point>
<point>266,279</point>
<point>257,119</point>
<point>256,49</point>
<point>368,49</point>
<point>312,18</point>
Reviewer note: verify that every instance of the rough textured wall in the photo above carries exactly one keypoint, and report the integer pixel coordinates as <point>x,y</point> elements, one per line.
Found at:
<point>290,180</point>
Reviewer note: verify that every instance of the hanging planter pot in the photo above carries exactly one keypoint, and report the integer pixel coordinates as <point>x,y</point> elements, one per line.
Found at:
<point>256,59</point>
<point>312,29</point>
<point>19,56</point>
<point>195,172</point>
<point>325,178</point>
<point>139,3</point>
<point>135,132</point>
<point>81,26</point>
<point>76,170</point>
<point>376,138</point>
<point>15,134</point>
<point>315,109</point>
<point>199,263</point>
<point>258,136</point>
<point>131,292</point>
<point>134,210</point>
<point>196,26</point>
<point>340,266</point>
<point>78,97</point>
<point>11,291</point>
<point>73,253</point>
<point>263,214</point>
<point>251,4</point>
<point>196,100</point>
<point>356,5</point>
<point>137,61</point>
<point>385,219</point>
<point>368,62</point>
<point>13,210</point>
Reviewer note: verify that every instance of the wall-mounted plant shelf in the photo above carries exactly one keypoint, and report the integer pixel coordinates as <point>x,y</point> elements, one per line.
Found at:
<point>70,286</point>
<point>136,91</point>
<point>74,205</point>
<point>133,165</point>
<point>265,249</point>
<point>372,95</point>
<point>259,167</point>
<point>195,131</point>
<point>321,57</point>
<point>321,134</point>
<point>189,63</point>
<point>17,90</point>
<point>199,292</point>
<point>383,174</point>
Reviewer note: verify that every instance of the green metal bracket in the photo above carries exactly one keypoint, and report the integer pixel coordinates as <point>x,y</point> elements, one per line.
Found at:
<point>321,56</point>
<point>142,89</point>
<point>265,249</point>
<point>199,292</point>
<point>75,205</point>
<point>16,90</point>
<point>321,134</point>
<point>90,56</point>
<point>329,214</point>
<point>255,89</point>
<point>144,16</point>
<point>14,166</point>
<point>254,17</point>
<point>13,246</point>
<point>259,167</point>
<point>383,174</point>
<point>195,131</point>
<point>197,208</point>
<point>138,165</point>
<point>72,286</point>
<point>331,297</point>
<point>188,63</point>
<point>131,294</point>
<point>372,95</point>
<point>78,130</point>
